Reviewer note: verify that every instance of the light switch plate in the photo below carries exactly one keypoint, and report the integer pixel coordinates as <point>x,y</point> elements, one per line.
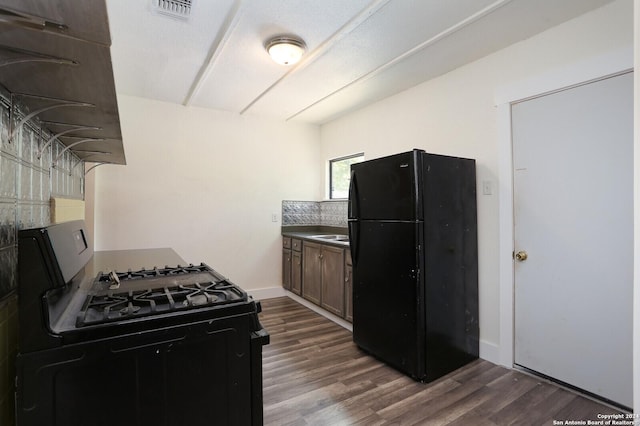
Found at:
<point>487,187</point>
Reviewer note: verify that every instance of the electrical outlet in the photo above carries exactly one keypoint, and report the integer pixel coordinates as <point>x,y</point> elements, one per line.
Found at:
<point>274,217</point>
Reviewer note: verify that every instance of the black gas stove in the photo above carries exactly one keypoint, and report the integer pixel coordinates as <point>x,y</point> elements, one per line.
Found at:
<point>172,345</point>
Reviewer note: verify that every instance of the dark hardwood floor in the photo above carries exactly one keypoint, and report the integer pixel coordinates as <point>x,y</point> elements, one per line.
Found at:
<point>315,375</point>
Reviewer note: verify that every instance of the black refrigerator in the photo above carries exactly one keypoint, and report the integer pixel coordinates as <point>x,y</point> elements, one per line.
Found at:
<point>413,235</point>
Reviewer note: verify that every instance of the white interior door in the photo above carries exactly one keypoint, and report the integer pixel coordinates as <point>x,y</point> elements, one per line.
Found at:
<point>573,216</point>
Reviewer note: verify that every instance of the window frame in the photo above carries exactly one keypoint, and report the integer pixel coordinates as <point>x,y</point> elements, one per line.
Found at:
<point>331,163</point>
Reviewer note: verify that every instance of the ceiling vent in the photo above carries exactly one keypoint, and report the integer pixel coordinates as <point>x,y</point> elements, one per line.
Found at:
<point>180,9</point>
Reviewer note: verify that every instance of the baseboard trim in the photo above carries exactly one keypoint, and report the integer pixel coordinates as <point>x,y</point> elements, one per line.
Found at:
<point>273,292</point>
<point>267,293</point>
<point>317,309</point>
<point>491,352</point>
<point>488,351</point>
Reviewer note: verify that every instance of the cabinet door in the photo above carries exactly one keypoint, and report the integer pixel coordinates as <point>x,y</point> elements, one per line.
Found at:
<point>348,287</point>
<point>312,272</point>
<point>333,279</point>
<point>296,272</point>
<point>286,269</point>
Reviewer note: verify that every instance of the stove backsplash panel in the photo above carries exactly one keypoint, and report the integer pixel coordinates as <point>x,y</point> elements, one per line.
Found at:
<point>27,182</point>
<point>323,213</point>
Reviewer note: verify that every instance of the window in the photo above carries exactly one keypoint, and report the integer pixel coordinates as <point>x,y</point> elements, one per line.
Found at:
<point>340,175</point>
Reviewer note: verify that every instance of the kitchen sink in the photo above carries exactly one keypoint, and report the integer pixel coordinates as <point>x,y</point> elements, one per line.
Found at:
<point>332,237</point>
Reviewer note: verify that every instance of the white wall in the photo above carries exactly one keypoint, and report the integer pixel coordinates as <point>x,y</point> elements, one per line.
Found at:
<point>206,184</point>
<point>456,114</point>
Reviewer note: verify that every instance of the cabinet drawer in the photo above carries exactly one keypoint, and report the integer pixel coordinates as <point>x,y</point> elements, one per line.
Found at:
<point>296,245</point>
<point>286,242</point>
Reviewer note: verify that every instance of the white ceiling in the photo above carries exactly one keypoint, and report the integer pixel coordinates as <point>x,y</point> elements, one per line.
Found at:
<point>358,51</point>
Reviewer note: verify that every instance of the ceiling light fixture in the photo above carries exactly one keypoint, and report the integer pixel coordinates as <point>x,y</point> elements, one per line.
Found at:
<point>285,50</point>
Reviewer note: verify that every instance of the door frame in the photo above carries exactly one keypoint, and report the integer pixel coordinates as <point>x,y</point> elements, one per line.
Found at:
<point>589,70</point>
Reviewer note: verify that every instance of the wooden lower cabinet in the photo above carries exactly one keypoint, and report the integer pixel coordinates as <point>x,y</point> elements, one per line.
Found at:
<point>323,276</point>
<point>286,268</point>
<point>348,286</point>
<point>320,273</point>
<point>291,265</point>
<point>333,280</point>
<point>296,272</point>
<point>312,272</point>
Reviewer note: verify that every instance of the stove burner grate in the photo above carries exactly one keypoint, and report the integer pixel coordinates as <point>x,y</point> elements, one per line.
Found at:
<point>165,294</point>
<point>155,272</point>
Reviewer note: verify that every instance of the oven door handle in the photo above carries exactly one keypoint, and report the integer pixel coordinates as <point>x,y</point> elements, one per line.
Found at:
<point>129,345</point>
<point>261,337</point>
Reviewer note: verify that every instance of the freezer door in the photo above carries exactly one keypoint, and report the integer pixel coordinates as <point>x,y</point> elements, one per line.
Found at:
<point>388,316</point>
<point>386,188</point>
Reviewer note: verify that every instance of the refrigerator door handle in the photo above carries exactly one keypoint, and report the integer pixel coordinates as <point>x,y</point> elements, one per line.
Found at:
<point>354,213</point>
<point>353,241</point>
<point>354,208</point>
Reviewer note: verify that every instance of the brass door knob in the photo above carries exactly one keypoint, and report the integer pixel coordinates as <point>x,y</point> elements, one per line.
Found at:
<point>521,255</point>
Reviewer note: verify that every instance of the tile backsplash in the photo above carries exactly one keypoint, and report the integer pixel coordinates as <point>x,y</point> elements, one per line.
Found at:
<point>28,180</point>
<point>325,213</point>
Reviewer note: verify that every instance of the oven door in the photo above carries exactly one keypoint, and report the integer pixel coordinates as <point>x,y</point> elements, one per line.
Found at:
<point>192,374</point>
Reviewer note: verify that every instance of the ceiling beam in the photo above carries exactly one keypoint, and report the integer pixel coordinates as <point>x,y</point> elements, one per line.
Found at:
<point>443,34</point>
<point>218,45</point>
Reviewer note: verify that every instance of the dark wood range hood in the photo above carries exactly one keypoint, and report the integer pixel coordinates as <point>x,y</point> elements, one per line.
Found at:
<point>55,62</point>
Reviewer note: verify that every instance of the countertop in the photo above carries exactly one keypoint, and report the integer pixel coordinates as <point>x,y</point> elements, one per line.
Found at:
<point>306,233</point>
